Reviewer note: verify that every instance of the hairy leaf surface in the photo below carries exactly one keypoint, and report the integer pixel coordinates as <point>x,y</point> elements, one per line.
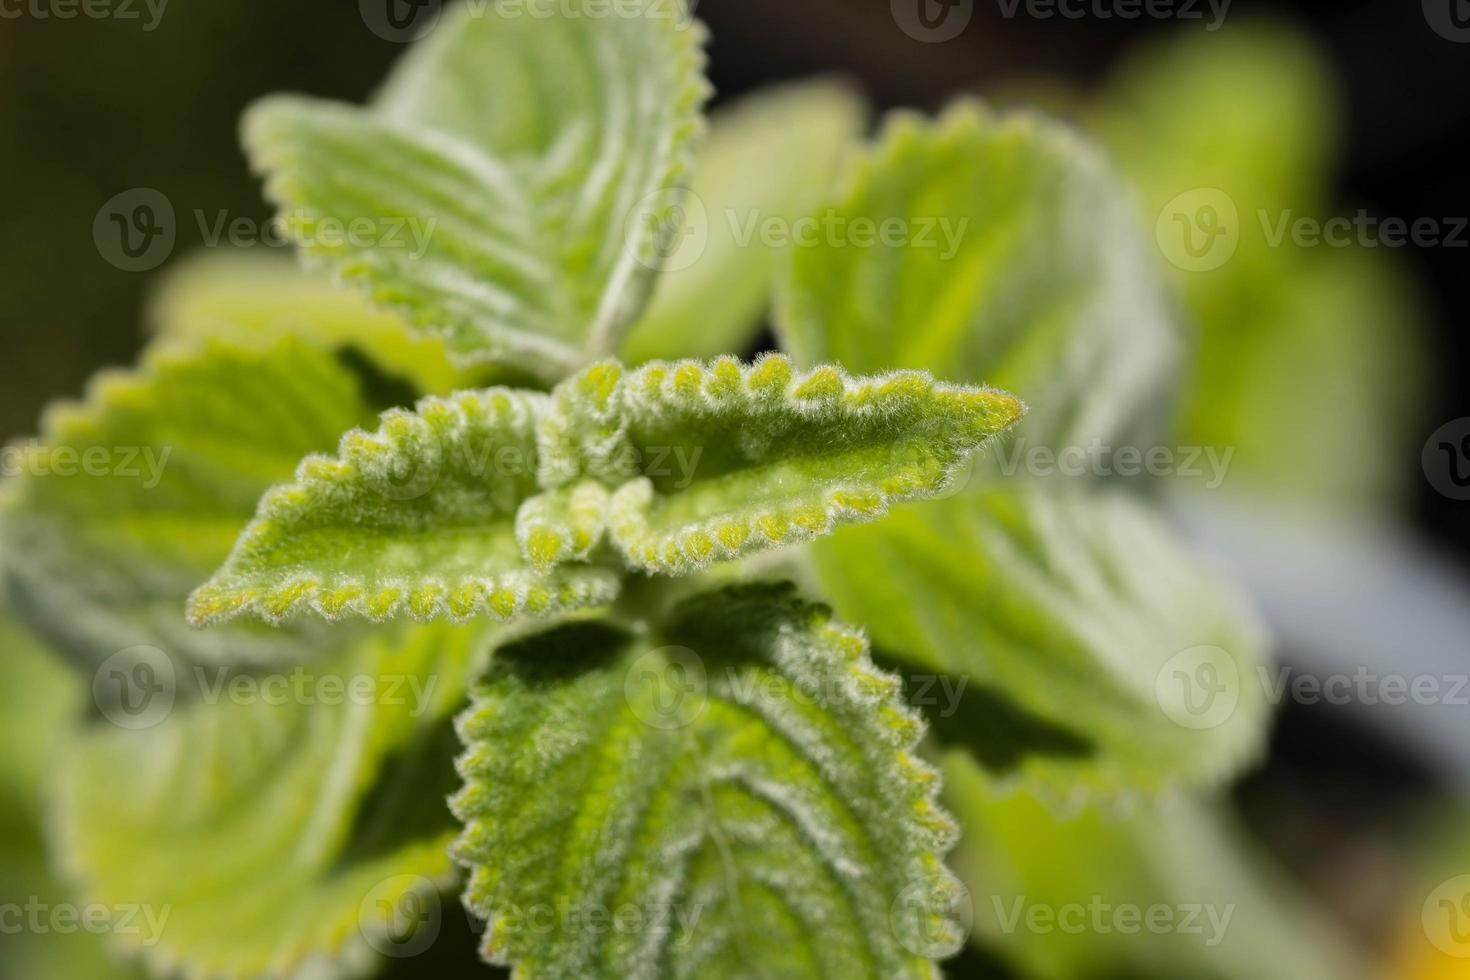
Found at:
<point>1083,612</point>
<point>131,497</point>
<point>1011,255</point>
<point>517,170</point>
<point>767,159</point>
<point>718,460</point>
<point>736,792</point>
<point>288,822</point>
<point>417,518</point>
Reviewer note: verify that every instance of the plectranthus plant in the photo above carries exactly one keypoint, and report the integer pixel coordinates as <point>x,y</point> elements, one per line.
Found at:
<point>677,662</point>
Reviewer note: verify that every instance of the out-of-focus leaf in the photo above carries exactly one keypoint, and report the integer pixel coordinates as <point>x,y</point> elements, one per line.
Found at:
<point>1168,891</point>
<point>278,823</point>
<point>131,497</point>
<point>1081,615</point>
<point>527,160</point>
<point>417,518</point>
<point>766,159</point>
<point>995,248</point>
<point>250,295</point>
<point>736,790</point>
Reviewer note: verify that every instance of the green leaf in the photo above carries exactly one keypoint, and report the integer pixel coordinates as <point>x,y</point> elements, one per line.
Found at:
<point>995,248</point>
<point>527,161</point>
<point>1081,612</point>
<point>715,461</point>
<point>766,161</point>
<point>1219,909</point>
<point>277,823</point>
<point>418,517</point>
<point>130,498</point>
<point>249,294</point>
<point>735,793</point>
<point>37,701</point>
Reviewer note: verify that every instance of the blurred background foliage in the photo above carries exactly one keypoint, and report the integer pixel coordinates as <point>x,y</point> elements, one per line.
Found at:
<point>1326,369</point>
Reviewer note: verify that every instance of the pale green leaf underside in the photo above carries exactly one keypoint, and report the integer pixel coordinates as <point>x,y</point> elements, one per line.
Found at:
<point>282,833</point>
<point>716,461</point>
<point>1020,263</point>
<point>1020,854</point>
<point>129,498</point>
<point>1080,611</point>
<point>766,160</point>
<point>520,149</point>
<point>416,518</point>
<point>742,780</point>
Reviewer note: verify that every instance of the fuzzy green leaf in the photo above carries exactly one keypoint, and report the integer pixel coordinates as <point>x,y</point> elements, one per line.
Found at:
<point>734,794</point>
<point>131,497</point>
<point>516,172</point>
<point>418,517</point>
<point>766,160</point>
<point>994,248</point>
<point>1081,612</point>
<point>283,824</point>
<point>713,461</point>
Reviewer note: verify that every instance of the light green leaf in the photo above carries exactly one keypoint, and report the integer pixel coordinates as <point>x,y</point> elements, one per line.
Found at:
<point>247,293</point>
<point>1081,614</point>
<point>526,161</point>
<point>718,460</point>
<point>994,248</point>
<point>735,792</point>
<point>767,159</point>
<point>1218,908</point>
<point>129,499</point>
<point>38,700</point>
<point>418,517</point>
<point>277,824</point>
